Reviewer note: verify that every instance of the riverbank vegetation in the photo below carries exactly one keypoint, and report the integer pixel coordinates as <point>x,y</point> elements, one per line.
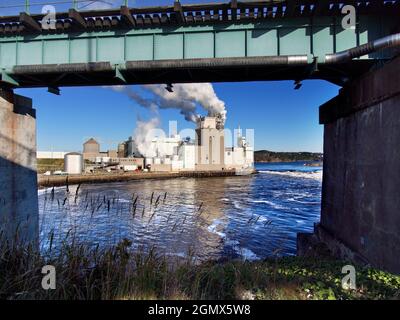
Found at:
<point>117,273</point>
<point>270,156</point>
<point>44,165</point>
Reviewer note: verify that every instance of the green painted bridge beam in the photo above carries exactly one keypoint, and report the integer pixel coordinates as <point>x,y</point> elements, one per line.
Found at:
<point>207,41</point>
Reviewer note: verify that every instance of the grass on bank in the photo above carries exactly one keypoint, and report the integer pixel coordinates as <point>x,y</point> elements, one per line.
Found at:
<point>44,165</point>
<point>116,273</point>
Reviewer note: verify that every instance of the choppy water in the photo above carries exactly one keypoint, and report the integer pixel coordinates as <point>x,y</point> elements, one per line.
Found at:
<point>246,216</point>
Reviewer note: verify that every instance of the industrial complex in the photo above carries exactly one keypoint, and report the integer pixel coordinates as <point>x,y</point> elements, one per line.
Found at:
<point>207,152</point>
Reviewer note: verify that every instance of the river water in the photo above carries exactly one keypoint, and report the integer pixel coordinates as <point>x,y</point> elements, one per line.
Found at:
<point>249,217</point>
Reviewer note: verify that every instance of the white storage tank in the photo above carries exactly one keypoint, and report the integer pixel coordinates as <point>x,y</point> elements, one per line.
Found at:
<point>157,161</point>
<point>73,163</point>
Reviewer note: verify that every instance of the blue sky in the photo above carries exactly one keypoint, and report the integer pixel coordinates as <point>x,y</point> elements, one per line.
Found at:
<point>284,119</point>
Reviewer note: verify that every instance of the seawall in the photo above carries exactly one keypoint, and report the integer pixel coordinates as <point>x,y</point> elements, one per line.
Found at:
<point>50,181</point>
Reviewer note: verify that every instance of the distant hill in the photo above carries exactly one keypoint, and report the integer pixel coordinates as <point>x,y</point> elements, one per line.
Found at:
<point>270,156</point>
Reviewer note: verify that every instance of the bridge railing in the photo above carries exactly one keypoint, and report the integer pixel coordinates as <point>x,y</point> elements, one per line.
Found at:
<point>236,8</point>
<point>14,7</point>
<point>106,14</point>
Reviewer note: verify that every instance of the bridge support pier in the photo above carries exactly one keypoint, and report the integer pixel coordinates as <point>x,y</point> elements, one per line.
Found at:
<point>19,212</point>
<point>360,215</point>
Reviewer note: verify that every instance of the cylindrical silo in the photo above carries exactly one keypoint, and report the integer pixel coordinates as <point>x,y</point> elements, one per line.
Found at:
<point>73,163</point>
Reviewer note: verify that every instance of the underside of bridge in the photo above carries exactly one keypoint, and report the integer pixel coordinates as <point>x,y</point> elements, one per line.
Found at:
<point>232,41</point>
<point>235,41</point>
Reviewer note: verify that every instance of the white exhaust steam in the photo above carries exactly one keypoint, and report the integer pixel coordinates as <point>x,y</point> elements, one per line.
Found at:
<point>185,97</point>
<point>143,136</point>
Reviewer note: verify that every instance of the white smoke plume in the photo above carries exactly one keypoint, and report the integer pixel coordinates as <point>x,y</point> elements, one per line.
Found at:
<point>143,135</point>
<point>185,98</point>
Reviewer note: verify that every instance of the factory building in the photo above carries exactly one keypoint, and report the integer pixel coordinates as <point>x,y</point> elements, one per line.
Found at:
<point>112,153</point>
<point>187,153</point>
<point>240,157</point>
<point>166,154</point>
<point>122,150</point>
<point>130,148</point>
<point>210,142</point>
<point>92,153</point>
<point>206,153</point>
<point>110,160</point>
<point>159,147</point>
<point>91,149</point>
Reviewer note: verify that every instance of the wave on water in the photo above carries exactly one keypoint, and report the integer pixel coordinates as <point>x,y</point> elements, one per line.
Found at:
<point>316,175</point>
<point>242,252</point>
<point>270,203</point>
<point>216,227</point>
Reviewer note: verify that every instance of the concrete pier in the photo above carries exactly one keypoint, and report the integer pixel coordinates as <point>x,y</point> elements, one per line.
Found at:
<point>360,216</point>
<point>18,177</point>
